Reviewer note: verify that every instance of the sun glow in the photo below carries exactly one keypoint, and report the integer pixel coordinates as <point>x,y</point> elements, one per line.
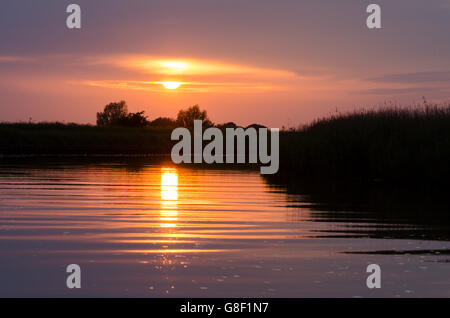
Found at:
<point>195,75</point>
<point>175,66</point>
<point>171,85</point>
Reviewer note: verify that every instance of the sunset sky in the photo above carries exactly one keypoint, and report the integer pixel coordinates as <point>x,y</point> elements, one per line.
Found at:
<point>271,62</point>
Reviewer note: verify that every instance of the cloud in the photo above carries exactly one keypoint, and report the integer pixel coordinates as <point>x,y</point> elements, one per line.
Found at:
<point>15,59</point>
<point>194,75</point>
<point>418,77</point>
<point>398,91</point>
<point>186,66</point>
<point>184,86</point>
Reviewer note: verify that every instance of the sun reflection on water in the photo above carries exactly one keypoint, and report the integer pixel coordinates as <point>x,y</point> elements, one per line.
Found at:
<point>168,218</point>
<point>169,197</point>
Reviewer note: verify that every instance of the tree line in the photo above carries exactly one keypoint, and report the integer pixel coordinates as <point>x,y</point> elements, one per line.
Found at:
<point>116,114</point>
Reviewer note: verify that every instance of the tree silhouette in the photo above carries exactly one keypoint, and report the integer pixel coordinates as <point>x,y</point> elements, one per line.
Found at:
<point>187,116</point>
<point>135,120</point>
<point>116,114</point>
<point>164,122</point>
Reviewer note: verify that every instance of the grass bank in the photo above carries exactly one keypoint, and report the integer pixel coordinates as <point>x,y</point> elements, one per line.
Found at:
<point>406,145</point>
<point>73,139</point>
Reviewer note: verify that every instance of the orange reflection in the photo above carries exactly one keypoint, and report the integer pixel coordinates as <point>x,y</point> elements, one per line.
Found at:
<point>169,198</point>
<point>168,218</point>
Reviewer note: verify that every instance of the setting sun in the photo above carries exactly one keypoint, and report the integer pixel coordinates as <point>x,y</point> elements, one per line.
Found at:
<point>171,85</point>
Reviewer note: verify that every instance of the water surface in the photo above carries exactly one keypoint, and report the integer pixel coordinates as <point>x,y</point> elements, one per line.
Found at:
<point>154,230</point>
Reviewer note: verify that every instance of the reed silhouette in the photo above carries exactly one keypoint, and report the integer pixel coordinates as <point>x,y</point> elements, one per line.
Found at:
<point>390,144</point>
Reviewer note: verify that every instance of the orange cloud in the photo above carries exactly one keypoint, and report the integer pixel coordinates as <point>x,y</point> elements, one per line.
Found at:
<point>183,86</point>
<point>193,75</point>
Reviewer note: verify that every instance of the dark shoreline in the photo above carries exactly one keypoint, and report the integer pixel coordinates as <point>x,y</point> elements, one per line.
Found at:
<point>82,140</point>
<point>408,146</point>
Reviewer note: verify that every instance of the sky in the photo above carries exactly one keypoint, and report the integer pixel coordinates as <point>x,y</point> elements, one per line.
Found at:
<point>277,63</point>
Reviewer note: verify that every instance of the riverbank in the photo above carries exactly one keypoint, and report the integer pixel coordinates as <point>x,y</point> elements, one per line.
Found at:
<point>393,145</point>
<point>22,139</point>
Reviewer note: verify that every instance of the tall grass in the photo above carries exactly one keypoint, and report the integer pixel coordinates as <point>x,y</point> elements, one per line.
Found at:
<point>395,144</point>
